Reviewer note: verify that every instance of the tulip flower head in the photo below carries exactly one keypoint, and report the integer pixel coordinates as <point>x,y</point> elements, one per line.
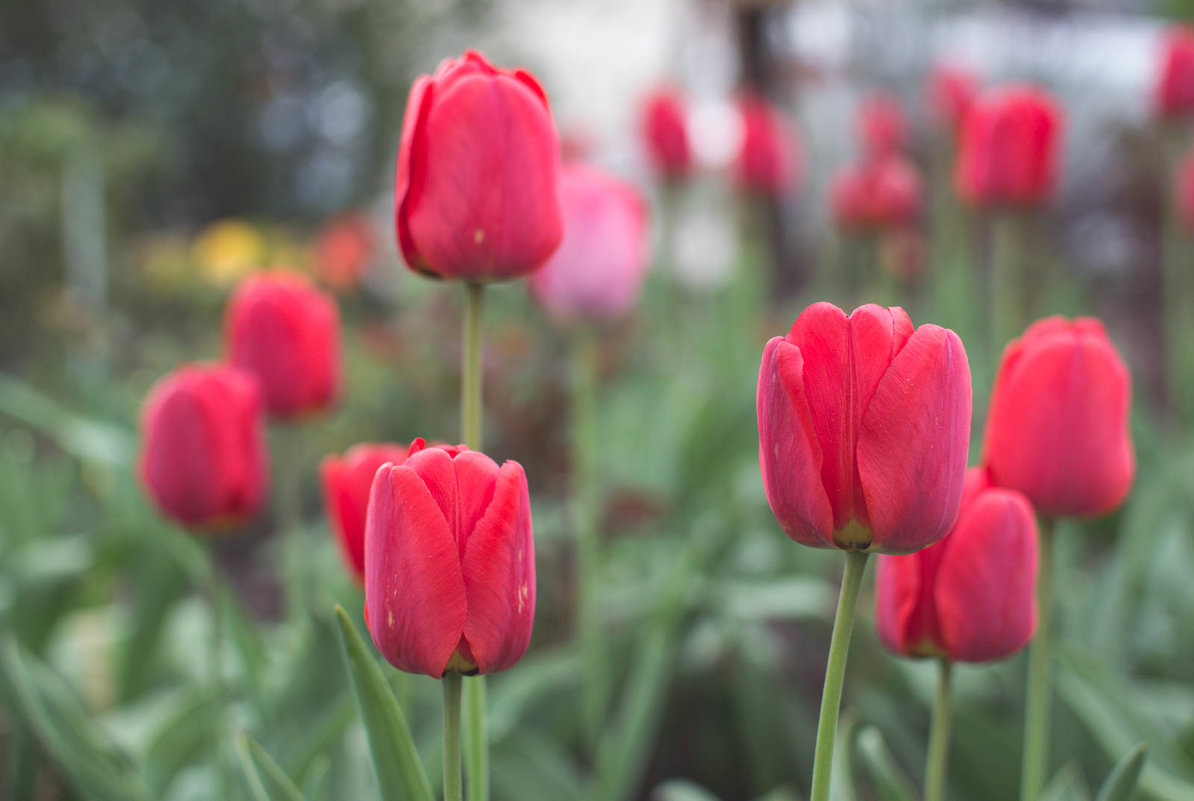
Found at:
<point>951,92</point>
<point>665,134</point>
<point>475,191</point>
<point>864,429</point>
<point>286,332</point>
<point>972,596</point>
<point>768,161</point>
<point>450,563</point>
<point>1057,429</point>
<point>878,194</point>
<point>203,457</point>
<point>598,270</point>
<point>343,249</point>
<point>347,481</point>
<point>1010,149</point>
<point>882,128</point>
<point>1174,92</point>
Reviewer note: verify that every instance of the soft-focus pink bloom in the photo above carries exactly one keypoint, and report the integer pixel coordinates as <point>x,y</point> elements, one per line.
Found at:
<point>879,194</point>
<point>664,131</point>
<point>1174,90</point>
<point>882,127</point>
<point>1010,149</point>
<point>343,249</point>
<point>1184,190</point>
<point>768,161</point>
<point>951,92</point>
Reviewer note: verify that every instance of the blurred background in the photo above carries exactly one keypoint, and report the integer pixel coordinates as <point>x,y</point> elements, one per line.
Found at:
<point>154,152</point>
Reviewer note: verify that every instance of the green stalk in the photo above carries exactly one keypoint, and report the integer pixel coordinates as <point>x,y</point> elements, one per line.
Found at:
<point>453,790</point>
<point>835,672</point>
<point>476,756</point>
<point>1176,286</point>
<point>216,667</point>
<point>938,758</point>
<point>289,516</point>
<point>1007,268</point>
<point>1036,713</point>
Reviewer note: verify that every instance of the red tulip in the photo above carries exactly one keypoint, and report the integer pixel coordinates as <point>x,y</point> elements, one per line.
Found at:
<point>864,429</point>
<point>475,192</point>
<point>1184,190</point>
<point>768,161</point>
<point>952,91</point>
<point>665,134</point>
<point>1174,93</point>
<point>343,249</point>
<point>203,456</point>
<point>1009,149</point>
<point>972,596</point>
<point>880,194</point>
<point>1057,429</point>
<point>597,272</point>
<point>346,484</point>
<point>287,333</point>
<point>881,126</point>
<point>450,563</point>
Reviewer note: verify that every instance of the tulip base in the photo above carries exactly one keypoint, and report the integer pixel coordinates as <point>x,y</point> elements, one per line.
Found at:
<point>935,764</point>
<point>1036,713</point>
<point>835,673</point>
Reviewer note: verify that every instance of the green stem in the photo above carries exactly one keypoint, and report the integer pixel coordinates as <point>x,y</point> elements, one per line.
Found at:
<point>835,672</point>
<point>939,738</point>
<point>1036,713</point>
<point>216,667</point>
<point>453,789</point>
<point>1176,289</point>
<point>476,756</point>
<point>289,515</point>
<point>1006,274</point>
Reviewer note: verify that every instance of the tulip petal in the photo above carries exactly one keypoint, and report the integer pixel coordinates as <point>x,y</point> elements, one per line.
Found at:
<point>414,588</point>
<point>905,611</point>
<point>412,166</point>
<point>789,456</point>
<point>913,443</point>
<point>499,575</point>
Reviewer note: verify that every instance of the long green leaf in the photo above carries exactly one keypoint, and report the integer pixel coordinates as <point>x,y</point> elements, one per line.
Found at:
<point>890,781</point>
<point>681,790</point>
<point>1120,783</point>
<point>279,787</point>
<point>395,759</point>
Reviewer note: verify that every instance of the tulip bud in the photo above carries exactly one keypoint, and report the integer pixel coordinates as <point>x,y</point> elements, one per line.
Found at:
<point>768,161</point>
<point>1174,92</point>
<point>882,128</point>
<point>598,270</point>
<point>450,563</point>
<point>864,429</point>
<point>880,194</point>
<point>475,191</point>
<point>1010,148</point>
<point>665,134</point>
<point>951,93</point>
<point>287,333</point>
<point>1057,429</point>
<point>347,481</point>
<point>203,457</point>
<point>972,596</point>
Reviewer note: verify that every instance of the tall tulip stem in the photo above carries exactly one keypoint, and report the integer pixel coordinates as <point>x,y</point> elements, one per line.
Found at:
<point>835,673</point>
<point>476,747</point>
<point>289,519</point>
<point>216,665</point>
<point>938,758</point>
<point>1036,713</point>
<point>1007,269</point>
<point>453,788</point>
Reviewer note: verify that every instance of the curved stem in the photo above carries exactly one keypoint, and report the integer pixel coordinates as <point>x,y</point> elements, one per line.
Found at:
<point>1036,713</point>
<point>938,758</point>
<point>835,672</point>
<point>453,787</point>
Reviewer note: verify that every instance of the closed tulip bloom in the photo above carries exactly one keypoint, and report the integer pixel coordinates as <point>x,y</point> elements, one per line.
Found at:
<point>347,481</point>
<point>972,596</point>
<point>768,162</point>
<point>598,270</point>
<point>1057,429</point>
<point>1010,148</point>
<point>665,134</point>
<point>450,563</point>
<point>880,194</point>
<point>203,456</point>
<point>475,191</point>
<point>882,128</point>
<point>1174,93</point>
<point>864,429</point>
<point>951,92</point>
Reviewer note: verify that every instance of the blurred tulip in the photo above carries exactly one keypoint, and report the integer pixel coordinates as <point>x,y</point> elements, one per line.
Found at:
<point>1174,92</point>
<point>1184,191</point>
<point>598,270</point>
<point>864,428</point>
<point>882,128</point>
<point>880,194</point>
<point>287,333</point>
<point>1057,429</point>
<point>346,484</point>
<point>768,161</point>
<point>226,250</point>
<point>450,563</point>
<point>951,92</point>
<point>665,134</point>
<point>203,457</point>
<point>475,191</point>
<point>1010,148</point>
<point>343,248</point>
<point>972,596</point>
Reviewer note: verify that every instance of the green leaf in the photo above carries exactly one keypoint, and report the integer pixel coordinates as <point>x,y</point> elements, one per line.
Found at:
<point>1066,785</point>
<point>681,790</point>
<point>1120,783</point>
<point>890,781</point>
<point>251,755</point>
<point>395,759</point>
